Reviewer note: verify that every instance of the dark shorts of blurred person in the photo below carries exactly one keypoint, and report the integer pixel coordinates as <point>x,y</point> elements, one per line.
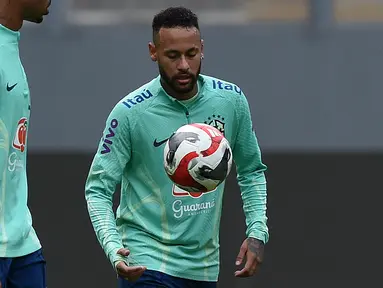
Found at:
<point>25,271</point>
<point>155,279</point>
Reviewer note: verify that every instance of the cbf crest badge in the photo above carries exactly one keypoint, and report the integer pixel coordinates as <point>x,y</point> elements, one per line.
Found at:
<point>217,121</point>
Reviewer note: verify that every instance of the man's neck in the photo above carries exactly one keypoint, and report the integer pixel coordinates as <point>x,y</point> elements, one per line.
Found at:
<point>178,96</point>
<point>9,15</point>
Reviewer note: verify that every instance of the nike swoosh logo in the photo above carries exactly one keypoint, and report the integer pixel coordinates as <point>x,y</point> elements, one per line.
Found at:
<point>158,144</point>
<point>10,88</point>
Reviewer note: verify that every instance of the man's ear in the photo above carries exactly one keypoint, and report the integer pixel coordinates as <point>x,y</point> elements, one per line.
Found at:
<point>152,51</point>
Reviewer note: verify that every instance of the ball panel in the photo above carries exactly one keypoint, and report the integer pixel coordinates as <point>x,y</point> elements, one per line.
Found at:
<point>181,175</point>
<point>183,142</point>
<point>213,169</point>
<point>197,158</point>
<point>215,137</point>
<point>195,135</point>
<point>184,149</point>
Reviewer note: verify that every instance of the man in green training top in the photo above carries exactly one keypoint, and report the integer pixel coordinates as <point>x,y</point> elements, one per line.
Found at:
<point>157,241</point>
<point>22,264</point>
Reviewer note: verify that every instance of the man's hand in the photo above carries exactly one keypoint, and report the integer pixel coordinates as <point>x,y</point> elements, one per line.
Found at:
<point>253,249</point>
<point>130,273</point>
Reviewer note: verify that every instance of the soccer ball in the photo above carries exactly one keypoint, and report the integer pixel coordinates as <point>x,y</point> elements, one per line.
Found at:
<point>197,158</point>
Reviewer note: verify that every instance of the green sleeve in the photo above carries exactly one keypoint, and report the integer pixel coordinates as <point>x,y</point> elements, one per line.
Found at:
<point>105,174</point>
<point>250,173</point>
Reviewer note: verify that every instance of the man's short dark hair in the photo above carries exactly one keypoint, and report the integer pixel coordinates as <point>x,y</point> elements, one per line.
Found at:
<point>174,17</point>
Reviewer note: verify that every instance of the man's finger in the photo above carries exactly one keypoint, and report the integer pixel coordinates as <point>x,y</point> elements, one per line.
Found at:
<point>243,273</point>
<point>133,273</point>
<point>123,252</point>
<point>246,271</point>
<point>134,276</point>
<point>241,254</point>
<point>130,269</point>
<point>135,269</point>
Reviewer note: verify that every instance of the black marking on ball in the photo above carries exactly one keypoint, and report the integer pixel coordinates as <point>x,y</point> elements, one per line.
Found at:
<point>220,172</point>
<point>175,141</point>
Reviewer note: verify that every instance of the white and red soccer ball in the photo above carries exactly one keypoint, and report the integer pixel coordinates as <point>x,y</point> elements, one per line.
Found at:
<point>197,157</point>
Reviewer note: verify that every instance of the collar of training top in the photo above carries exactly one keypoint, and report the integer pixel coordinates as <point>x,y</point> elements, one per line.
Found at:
<point>200,83</point>
<point>8,35</point>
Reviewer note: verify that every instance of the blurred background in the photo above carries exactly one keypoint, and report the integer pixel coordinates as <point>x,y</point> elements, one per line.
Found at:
<point>311,70</point>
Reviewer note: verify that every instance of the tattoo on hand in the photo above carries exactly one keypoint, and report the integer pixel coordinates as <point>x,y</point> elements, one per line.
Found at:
<point>257,247</point>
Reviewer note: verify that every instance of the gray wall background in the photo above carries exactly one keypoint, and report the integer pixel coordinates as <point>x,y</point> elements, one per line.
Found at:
<point>307,91</point>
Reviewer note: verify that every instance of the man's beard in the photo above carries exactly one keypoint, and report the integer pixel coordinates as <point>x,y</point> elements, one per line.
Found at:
<point>171,82</point>
<point>35,17</point>
<point>35,20</point>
